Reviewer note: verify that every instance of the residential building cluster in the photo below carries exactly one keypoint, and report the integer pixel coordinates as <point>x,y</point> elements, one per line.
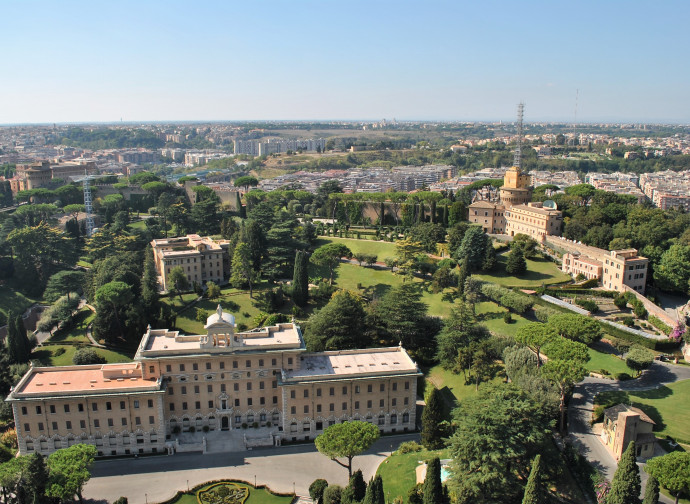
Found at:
<point>46,174</point>
<point>201,157</point>
<point>278,146</point>
<point>222,380</point>
<point>667,189</point>
<point>401,178</point>
<point>562,179</point>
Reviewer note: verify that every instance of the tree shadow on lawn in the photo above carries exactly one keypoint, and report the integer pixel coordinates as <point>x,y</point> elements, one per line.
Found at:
<point>492,315</point>
<point>43,356</point>
<point>376,291</point>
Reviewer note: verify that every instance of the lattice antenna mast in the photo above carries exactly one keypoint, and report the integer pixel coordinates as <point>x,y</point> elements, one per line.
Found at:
<point>88,206</point>
<point>517,160</point>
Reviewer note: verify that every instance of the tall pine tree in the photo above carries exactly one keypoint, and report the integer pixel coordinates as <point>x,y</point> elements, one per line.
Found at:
<point>625,487</point>
<point>651,492</point>
<point>374,493</point>
<point>23,344</point>
<point>433,490</point>
<point>516,264</point>
<point>11,339</point>
<point>300,279</point>
<point>462,276</point>
<point>534,493</point>
<point>432,416</point>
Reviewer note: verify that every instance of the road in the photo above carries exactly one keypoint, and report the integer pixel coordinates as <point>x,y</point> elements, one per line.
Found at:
<point>581,407</point>
<point>155,479</point>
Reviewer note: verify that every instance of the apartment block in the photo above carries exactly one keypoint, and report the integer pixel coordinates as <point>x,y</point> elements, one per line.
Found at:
<point>625,267</point>
<point>201,259</point>
<point>534,220</point>
<point>218,381</point>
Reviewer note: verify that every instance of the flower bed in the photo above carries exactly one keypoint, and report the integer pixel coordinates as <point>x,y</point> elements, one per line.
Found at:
<point>223,493</point>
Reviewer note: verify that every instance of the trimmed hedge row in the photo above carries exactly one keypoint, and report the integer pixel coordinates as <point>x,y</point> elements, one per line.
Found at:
<point>659,324</point>
<point>514,301</point>
<point>667,345</point>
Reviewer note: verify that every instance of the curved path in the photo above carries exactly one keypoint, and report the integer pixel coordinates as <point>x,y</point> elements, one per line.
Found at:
<point>582,404</point>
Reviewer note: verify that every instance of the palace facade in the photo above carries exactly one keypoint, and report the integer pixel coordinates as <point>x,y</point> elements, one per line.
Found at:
<point>218,381</point>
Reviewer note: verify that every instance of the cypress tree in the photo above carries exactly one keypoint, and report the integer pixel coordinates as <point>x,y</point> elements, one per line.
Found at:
<point>462,276</point>
<point>23,344</point>
<point>533,491</point>
<point>36,478</point>
<point>432,416</point>
<point>374,494</point>
<point>445,215</point>
<point>432,211</point>
<point>382,212</point>
<point>300,279</point>
<point>651,493</point>
<point>359,485</point>
<point>625,487</point>
<point>238,204</point>
<point>11,339</point>
<point>432,490</point>
<point>516,264</point>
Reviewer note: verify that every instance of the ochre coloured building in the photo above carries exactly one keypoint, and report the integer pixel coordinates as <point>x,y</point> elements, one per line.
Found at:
<point>515,213</point>
<point>260,382</point>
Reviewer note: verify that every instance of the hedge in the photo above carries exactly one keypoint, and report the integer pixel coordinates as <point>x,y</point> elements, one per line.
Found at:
<point>659,324</point>
<point>507,298</point>
<point>666,345</point>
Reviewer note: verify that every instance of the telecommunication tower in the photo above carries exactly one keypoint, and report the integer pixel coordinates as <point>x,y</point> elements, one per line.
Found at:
<point>517,160</point>
<point>88,206</point>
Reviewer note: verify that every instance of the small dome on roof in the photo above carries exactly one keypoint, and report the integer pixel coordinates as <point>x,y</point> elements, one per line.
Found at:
<point>220,317</point>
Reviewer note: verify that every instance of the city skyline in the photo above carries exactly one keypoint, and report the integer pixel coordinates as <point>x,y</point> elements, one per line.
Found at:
<point>165,62</point>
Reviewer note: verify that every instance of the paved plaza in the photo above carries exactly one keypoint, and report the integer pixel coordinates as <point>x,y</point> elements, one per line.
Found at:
<point>155,479</point>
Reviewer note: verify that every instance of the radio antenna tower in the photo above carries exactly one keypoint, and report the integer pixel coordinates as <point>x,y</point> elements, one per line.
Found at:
<point>517,160</point>
<point>88,206</point>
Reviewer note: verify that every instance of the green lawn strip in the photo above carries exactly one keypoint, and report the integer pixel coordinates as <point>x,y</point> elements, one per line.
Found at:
<point>140,224</point>
<point>398,471</point>
<point>77,330</point>
<point>538,273</point>
<point>14,301</point>
<point>452,387</point>
<point>380,248</point>
<point>601,360</point>
<point>256,495</point>
<point>668,406</point>
<point>45,354</point>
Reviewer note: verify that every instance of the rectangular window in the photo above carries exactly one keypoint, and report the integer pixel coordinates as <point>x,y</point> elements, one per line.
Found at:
<point>275,399</point>
<point>108,406</point>
<point>381,403</point>
<point>249,401</point>
<point>248,363</point>
<point>370,388</point>
<point>306,393</point>
<point>24,410</point>
<point>222,364</point>
<point>137,420</point>
<point>152,369</point>
<point>208,365</point>
<point>151,420</point>
<point>382,388</point>
<point>168,368</point>
<point>96,423</point>
<point>172,407</point>
<point>209,388</point>
<point>68,425</point>
<point>38,410</point>
<point>171,390</point>
<point>181,367</point>
<point>184,390</point>
<point>234,364</point>
<point>407,385</point>
<point>274,384</point>
<point>356,404</point>
<point>82,424</point>
<point>289,361</point>
<point>236,387</point>
<point>237,402</point>
<point>51,408</point>
<point>318,392</point>
<point>331,391</point>
<point>395,386</point>
<point>331,407</point>
<point>293,394</point>
<point>122,405</point>
<point>344,390</point>
<point>196,389</point>
<point>356,389</point>
<point>195,366</point>
<point>136,404</point>
<point>124,421</point>
<point>261,363</point>
<point>394,402</point>
<point>261,385</point>
<point>249,385</point>
<point>306,409</point>
<point>197,405</point>
<point>222,387</point>
<point>344,406</point>
<point>184,406</point>
<point>40,426</point>
<point>110,422</point>
<point>210,404</point>
<point>318,408</point>
<point>274,362</point>
<point>293,410</point>
<point>369,404</point>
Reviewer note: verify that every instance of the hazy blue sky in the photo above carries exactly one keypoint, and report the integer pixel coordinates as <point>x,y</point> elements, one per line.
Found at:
<point>290,59</point>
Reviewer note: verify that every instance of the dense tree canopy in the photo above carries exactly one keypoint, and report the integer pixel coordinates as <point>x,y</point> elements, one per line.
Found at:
<point>346,440</point>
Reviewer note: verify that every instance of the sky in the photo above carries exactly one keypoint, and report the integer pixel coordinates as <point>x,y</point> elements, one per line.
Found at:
<point>147,60</point>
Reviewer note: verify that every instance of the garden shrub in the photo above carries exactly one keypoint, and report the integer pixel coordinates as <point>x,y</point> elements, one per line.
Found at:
<point>507,318</point>
<point>620,302</point>
<point>542,313</point>
<point>58,351</point>
<point>623,376</point>
<point>409,447</point>
<point>598,413</point>
<point>587,304</point>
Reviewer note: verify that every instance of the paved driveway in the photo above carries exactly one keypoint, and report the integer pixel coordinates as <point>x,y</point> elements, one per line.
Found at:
<point>581,407</point>
<point>155,479</point>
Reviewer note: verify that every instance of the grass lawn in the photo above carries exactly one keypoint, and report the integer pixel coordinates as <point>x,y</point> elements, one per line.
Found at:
<point>601,360</point>
<point>380,248</point>
<point>452,387</point>
<point>77,333</point>
<point>45,354</point>
<point>140,224</point>
<point>256,496</point>
<point>538,272</point>
<point>668,406</point>
<point>491,315</point>
<point>398,471</point>
<point>14,301</point>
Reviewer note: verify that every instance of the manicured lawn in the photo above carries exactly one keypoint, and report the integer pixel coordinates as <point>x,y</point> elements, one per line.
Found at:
<point>601,360</point>
<point>398,471</point>
<point>46,355</point>
<point>14,301</point>
<point>538,272</point>
<point>668,406</point>
<point>256,496</point>
<point>452,387</point>
<point>380,248</point>
<point>140,224</point>
<point>76,333</point>
<point>491,315</point>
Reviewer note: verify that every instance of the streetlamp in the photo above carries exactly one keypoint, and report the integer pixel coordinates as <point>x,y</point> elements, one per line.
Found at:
<point>255,481</point>
<point>187,486</point>
<point>146,497</point>
<point>293,488</point>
